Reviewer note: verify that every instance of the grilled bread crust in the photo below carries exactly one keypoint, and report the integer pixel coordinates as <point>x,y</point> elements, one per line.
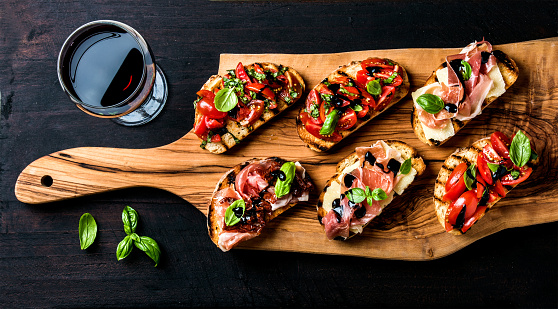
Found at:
<point>406,152</point>
<point>237,132</point>
<point>468,155</point>
<point>228,180</point>
<point>350,71</point>
<point>509,71</point>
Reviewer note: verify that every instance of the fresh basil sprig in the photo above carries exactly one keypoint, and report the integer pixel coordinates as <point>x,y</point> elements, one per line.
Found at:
<point>520,149</point>
<point>431,103</point>
<point>330,123</point>
<point>225,100</point>
<point>283,187</point>
<point>465,70</point>
<point>470,176</point>
<point>358,195</point>
<point>406,167</point>
<point>231,217</point>
<point>148,245</point>
<point>87,230</point>
<point>373,87</point>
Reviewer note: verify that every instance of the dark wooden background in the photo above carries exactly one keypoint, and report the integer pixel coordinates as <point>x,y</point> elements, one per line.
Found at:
<point>41,264</point>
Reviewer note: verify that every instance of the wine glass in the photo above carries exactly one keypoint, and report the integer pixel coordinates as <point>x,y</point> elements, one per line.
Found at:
<point>108,70</point>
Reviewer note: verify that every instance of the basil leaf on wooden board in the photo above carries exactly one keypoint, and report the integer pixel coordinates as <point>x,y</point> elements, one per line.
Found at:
<point>231,216</point>
<point>373,87</point>
<point>283,187</point>
<point>379,194</point>
<point>520,149</point>
<point>431,103</point>
<point>124,247</point>
<point>225,100</point>
<point>150,247</point>
<point>406,167</point>
<point>356,195</point>
<point>470,176</point>
<point>87,230</point>
<point>130,220</point>
<point>330,123</point>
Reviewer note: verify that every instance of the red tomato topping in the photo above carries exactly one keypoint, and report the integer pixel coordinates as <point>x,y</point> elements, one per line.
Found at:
<point>484,171</point>
<point>314,129</point>
<point>216,138</point>
<point>363,112</point>
<point>255,109</point>
<point>468,200</point>
<point>347,120</point>
<point>241,73</point>
<point>212,124</point>
<point>474,218</point>
<point>524,173</point>
<point>385,97</point>
<point>499,188</point>
<point>206,105</point>
<point>200,129</point>
<point>375,62</point>
<point>501,144</point>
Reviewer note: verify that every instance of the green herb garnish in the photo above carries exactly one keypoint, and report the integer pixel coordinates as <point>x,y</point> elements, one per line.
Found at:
<point>373,87</point>
<point>87,230</point>
<point>520,149</point>
<point>231,217</point>
<point>431,103</point>
<point>283,187</point>
<point>225,100</point>
<point>146,244</point>
<point>405,167</point>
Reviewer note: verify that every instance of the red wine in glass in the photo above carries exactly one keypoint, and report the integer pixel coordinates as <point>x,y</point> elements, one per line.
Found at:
<point>108,70</point>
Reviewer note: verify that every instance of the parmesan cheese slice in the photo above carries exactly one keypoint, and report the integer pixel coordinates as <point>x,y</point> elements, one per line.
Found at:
<point>498,85</point>
<point>405,181</point>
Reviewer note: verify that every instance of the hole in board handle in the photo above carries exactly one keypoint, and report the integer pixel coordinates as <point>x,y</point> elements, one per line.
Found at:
<point>46,181</point>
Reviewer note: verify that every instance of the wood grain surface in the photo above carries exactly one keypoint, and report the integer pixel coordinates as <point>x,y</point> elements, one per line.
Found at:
<point>408,229</point>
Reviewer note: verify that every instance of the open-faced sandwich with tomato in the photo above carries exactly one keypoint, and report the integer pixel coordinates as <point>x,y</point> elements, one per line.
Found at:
<point>474,178</point>
<point>365,182</point>
<point>349,98</point>
<point>250,195</point>
<point>230,107</point>
<point>459,89</point>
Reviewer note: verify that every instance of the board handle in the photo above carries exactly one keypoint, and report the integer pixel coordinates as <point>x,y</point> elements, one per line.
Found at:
<point>84,171</point>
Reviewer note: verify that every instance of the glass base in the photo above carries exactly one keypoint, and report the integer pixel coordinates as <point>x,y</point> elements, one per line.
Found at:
<point>151,107</point>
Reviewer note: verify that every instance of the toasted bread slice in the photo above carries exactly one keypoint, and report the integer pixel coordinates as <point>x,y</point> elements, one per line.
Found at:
<point>350,71</point>
<point>406,152</point>
<point>234,132</point>
<point>509,71</point>
<point>215,221</point>
<point>468,155</point>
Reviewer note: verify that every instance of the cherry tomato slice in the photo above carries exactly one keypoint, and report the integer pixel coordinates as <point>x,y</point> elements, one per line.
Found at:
<point>347,120</point>
<point>216,138</point>
<point>206,105</point>
<point>499,188</point>
<point>363,112</point>
<point>324,112</point>
<point>491,155</point>
<point>455,185</point>
<point>256,87</point>
<point>482,166</point>
<point>268,93</point>
<point>255,109</point>
<point>386,74</point>
<point>212,124</point>
<point>480,190</point>
<point>455,175</point>
<point>385,97</point>
<point>241,73</point>
<point>468,200</point>
<point>305,118</point>
<point>501,144</point>
<point>376,62</point>
<point>524,173</point>
<point>351,92</point>
<point>200,129</point>
<point>314,129</point>
<point>363,78</point>
<point>474,218</point>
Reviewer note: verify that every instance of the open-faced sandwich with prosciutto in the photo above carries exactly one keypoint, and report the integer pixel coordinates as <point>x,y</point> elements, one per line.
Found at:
<point>474,178</point>
<point>349,98</point>
<point>366,181</point>
<point>250,195</point>
<point>230,107</point>
<point>459,90</point>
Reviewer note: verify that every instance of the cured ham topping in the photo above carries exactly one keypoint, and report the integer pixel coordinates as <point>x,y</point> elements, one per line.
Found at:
<point>256,185</point>
<point>463,90</point>
<point>377,169</point>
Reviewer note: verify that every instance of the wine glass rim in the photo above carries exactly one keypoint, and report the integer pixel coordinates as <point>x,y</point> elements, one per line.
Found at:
<point>146,52</point>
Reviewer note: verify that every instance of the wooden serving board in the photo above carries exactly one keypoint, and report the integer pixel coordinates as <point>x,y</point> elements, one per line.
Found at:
<point>408,228</point>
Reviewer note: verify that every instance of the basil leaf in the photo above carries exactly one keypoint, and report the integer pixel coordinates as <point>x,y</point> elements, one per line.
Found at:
<point>87,230</point>
<point>515,174</point>
<point>330,123</point>
<point>373,87</point>
<point>390,79</point>
<point>369,200</point>
<point>356,195</point>
<point>357,108</point>
<point>230,217</point>
<point>283,187</point>
<point>135,237</point>
<point>150,247</point>
<point>534,156</point>
<point>493,167</point>
<point>124,248</point>
<point>379,194</point>
<point>406,167</point>
<point>368,191</point>
<point>431,103</point>
<point>225,100</point>
<point>465,70</point>
<point>130,220</point>
<point>520,149</point>
<point>470,176</point>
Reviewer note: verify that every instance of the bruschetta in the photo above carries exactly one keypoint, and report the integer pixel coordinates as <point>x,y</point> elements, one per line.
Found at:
<point>230,107</point>
<point>250,195</point>
<point>459,89</point>
<point>365,182</point>
<point>348,98</point>
<point>474,178</point>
